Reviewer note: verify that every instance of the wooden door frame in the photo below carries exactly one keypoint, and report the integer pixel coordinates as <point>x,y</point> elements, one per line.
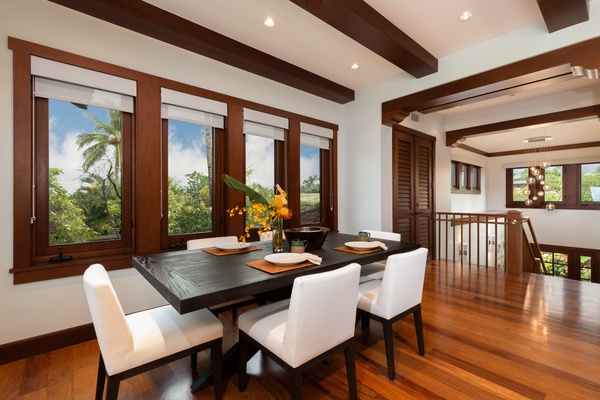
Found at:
<point>433,139</point>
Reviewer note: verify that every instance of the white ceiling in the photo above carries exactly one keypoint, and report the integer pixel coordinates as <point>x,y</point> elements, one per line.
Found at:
<point>303,40</point>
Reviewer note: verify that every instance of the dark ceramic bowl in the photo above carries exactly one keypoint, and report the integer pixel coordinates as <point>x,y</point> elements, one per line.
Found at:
<point>314,235</point>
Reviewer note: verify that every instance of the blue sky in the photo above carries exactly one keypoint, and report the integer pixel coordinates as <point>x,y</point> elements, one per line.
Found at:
<point>187,151</point>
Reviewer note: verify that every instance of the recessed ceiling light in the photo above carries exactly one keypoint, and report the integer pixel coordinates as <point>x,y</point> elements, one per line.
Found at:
<point>355,66</point>
<point>269,22</point>
<point>465,16</point>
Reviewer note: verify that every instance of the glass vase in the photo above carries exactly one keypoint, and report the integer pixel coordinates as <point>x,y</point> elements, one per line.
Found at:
<point>277,234</point>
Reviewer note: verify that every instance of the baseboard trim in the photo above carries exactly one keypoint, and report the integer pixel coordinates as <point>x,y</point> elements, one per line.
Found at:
<point>30,347</point>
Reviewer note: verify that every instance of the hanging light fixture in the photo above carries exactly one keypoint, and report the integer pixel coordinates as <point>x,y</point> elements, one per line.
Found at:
<point>536,176</point>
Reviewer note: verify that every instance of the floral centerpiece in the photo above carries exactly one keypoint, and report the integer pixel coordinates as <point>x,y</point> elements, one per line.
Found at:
<point>266,214</point>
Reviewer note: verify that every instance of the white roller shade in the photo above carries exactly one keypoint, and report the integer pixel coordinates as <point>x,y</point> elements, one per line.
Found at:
<point>190,101</point>
<point>316,130</point>
<point>189,108</point>
<point>314,141</point>
<point>266,125</point>
<point>266,119</point>
<point>73,93</point>
<point>169,111</point>
<point>80,76</point>
<point>315,136</point>
<point>271,132</point>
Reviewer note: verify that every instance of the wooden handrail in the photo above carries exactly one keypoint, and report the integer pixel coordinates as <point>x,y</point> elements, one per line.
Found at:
<point>459,237</point>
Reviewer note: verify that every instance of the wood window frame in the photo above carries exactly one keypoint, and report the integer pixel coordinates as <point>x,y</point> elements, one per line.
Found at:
<point>471,184</point>
<point>571,181</point>
<point>145,175</point>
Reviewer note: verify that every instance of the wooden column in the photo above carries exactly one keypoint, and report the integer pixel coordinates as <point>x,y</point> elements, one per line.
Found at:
<point>514,241</point>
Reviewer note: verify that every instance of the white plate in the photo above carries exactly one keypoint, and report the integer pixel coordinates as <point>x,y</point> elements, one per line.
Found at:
<point>285,258</point>
<point>362,245</point>
<point>233,246</point>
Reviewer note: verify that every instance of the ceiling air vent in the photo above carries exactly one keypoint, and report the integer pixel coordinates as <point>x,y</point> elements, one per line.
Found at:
<point>414,117</point>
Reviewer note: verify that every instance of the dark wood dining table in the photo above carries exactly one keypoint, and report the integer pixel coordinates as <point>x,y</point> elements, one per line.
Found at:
<point>195,279</point>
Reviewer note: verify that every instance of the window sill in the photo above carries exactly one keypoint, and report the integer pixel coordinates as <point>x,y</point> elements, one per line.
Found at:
<point>48,271</point>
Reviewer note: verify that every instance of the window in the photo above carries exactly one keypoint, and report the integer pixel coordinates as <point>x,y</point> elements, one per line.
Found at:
<point>590,183</point>
<point>557,264</point>
<point>315,143</point>
<point>465,178</point>
<point>192,127</point>
<point>147,176</point>
<point>264,138</point>
<point>82,146</point>
<point>572,263</point>
<point>568,186</point>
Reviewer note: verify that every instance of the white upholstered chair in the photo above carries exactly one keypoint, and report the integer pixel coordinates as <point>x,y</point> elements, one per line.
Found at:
<point>233,305</point>
<point>138,342</point>
<point>375,270</point>
<point>314,324</point>
<point>395,296</point>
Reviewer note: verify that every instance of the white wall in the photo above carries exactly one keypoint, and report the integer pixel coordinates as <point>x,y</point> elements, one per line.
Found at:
<point>576,228</point>
<point>364,145</point>
<point>37,308</point>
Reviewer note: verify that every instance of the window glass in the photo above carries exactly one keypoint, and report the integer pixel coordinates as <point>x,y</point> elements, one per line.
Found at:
<point>190,177</point>
<point>590,182</point>
<point>553,187</point>
<point>519,184</point>
<point>453,175</point>
<point>260,168</point>
<point>85,173</point>
<point>556,263</point>
<point>310,189</point>
<point>585,268</point>
<point>464,176</point>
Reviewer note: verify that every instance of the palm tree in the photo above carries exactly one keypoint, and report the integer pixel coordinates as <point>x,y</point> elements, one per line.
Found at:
<point>98,143</point>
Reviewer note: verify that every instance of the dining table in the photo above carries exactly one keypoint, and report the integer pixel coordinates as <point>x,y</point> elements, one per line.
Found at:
<point>195,279</point>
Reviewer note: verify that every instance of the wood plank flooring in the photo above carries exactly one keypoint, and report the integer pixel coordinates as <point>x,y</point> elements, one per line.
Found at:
<point>488,335</point>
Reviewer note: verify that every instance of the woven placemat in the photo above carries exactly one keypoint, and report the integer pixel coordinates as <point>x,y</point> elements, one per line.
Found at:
<point>354,251</point>
<point>218,252</point>
<point>266,266</point>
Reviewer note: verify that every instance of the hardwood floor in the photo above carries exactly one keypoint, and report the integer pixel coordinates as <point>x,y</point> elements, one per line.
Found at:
<point>488,335</point>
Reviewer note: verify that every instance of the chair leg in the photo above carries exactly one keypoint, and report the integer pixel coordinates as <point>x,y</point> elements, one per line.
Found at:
<point>242,360</point>
<point>194,361</point>
<point>419,328</point>
<point>388,338</point>
<point>216,357</point>
<point>351,372</point>
<point>296,384</point>
<point>112,387</point>
<point>100,379</point>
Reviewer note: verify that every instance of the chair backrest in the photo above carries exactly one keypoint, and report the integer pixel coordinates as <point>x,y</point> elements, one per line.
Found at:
<point>384,235</point>
<point>322,312</point>
<point>113,333</point>
<point>402,282</point>
<point>210,242</point>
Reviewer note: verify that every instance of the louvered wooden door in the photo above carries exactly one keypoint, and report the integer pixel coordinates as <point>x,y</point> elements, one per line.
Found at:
<point>413,203</point>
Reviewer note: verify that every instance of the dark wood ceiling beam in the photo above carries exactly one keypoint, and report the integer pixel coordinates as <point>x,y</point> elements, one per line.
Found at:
<point>506,88</point>
<point>144,18</point>
<point>560,14</point>
<point>394,111</point>
<point>573,146</point>
<point>361,22</point>
<point>453,136</point>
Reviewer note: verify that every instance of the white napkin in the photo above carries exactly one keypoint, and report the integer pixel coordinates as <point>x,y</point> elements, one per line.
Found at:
<point>380,244</point>
<point>312,258</point>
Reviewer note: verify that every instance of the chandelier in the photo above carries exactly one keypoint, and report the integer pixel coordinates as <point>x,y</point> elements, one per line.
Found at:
<point>537,185</point>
